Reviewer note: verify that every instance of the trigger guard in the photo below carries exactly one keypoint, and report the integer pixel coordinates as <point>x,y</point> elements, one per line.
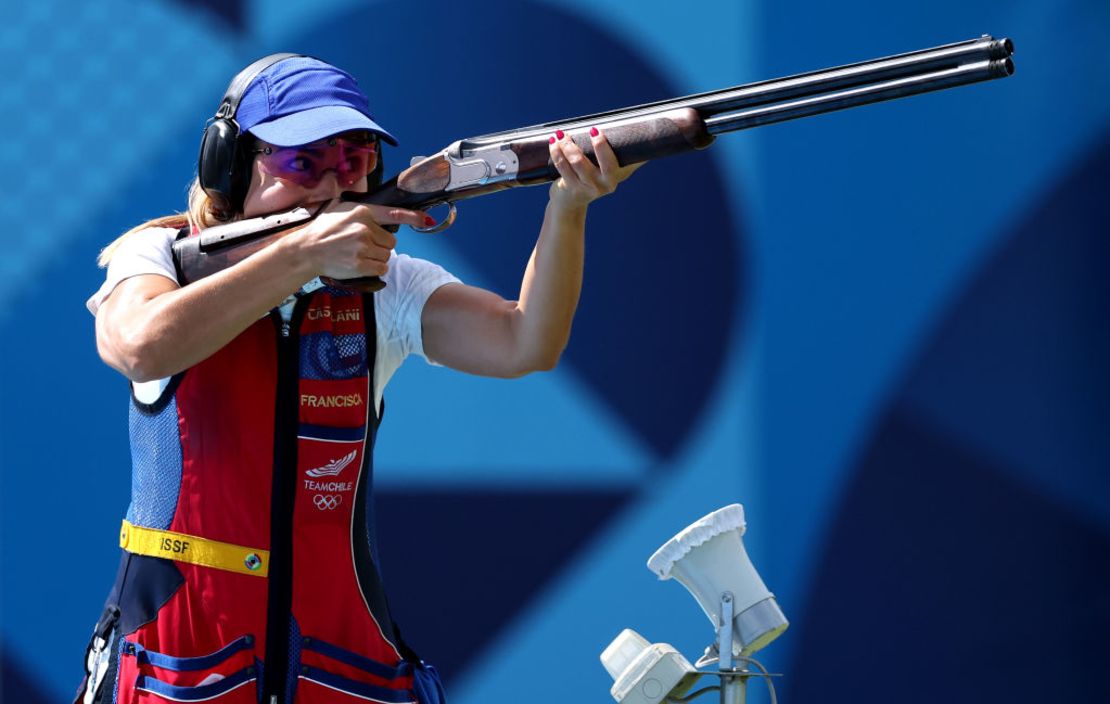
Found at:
<point>443,224</point>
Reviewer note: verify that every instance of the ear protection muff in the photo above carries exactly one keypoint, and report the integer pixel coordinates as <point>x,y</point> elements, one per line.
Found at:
<point>223,161</point>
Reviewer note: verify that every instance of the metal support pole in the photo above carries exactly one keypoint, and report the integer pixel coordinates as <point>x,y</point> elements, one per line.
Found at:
<point>724,633</point>
<point>734,680</point>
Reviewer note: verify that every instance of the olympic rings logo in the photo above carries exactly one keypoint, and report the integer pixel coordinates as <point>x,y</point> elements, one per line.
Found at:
<point>327,502</point>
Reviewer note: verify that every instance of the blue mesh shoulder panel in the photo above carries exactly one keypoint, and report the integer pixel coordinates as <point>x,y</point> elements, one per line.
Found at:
<point>155,464</point>
<point>328,357</point>
<point>325,356</point>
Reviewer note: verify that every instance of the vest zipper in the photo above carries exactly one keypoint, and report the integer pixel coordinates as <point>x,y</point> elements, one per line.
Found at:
<point>283,490</point>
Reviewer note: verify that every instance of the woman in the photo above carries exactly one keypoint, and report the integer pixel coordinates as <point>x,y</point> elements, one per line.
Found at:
<point>248,571</point>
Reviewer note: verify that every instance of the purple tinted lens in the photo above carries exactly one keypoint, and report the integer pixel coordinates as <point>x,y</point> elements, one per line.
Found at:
<point>306,165</point>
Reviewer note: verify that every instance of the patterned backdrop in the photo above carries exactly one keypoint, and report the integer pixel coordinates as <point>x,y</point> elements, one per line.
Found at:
<point>883,331</point>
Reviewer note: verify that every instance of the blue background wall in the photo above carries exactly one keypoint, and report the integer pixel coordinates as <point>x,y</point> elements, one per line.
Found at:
<point>882,331</point>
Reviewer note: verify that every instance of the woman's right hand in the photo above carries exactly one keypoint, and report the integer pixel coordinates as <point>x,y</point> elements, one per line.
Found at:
<point>149,328</point>
<point>350,240</point>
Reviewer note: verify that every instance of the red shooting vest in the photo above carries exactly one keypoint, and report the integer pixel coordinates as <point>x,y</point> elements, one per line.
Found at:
<point>265,446</point>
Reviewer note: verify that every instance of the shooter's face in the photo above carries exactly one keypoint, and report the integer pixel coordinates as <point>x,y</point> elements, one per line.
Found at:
<point>287,177</point>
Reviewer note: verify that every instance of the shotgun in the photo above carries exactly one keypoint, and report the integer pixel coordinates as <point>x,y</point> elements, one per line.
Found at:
<point>494,162</point>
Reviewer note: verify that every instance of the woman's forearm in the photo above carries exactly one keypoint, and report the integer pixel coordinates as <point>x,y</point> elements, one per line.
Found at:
<point>149,328</point>
<point>551,286</point>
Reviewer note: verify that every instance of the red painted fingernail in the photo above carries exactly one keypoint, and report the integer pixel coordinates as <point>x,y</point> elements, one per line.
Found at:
<point>594,132</point>
<point>551,141</point>
<point>559,134</point>
<point>429,221</point>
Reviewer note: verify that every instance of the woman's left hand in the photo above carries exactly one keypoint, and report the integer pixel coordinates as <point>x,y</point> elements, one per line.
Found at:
<point>581,182</point>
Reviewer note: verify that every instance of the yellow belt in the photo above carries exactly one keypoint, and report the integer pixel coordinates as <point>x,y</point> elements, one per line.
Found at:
<point>195,550</point>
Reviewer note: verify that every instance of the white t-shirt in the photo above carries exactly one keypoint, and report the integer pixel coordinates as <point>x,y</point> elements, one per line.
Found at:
<point>397,307</point>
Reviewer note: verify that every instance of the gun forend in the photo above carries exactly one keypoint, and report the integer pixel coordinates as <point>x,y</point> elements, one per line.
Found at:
<point>467,169</point>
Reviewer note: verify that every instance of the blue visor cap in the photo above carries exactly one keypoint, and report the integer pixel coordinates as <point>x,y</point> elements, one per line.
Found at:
<point>302,100</point>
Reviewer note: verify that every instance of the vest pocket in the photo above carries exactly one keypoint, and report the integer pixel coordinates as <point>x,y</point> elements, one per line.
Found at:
<point>239,688</point>
<point>333,675</point>
<point>316,686</point>
<point>228,675</point>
